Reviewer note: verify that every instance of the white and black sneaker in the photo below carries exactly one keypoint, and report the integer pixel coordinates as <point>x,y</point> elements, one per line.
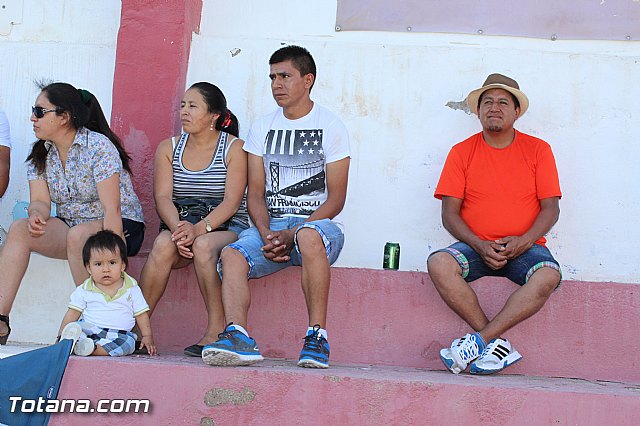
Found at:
<point>462,352</point>
<point>498,355</point>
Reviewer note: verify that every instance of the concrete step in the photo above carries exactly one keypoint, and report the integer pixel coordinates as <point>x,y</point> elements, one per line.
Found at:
<point>586,330</point>
<point>183,390</point>
<point>17,348</point>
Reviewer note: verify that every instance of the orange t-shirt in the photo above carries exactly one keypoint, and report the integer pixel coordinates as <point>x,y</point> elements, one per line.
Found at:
<point>501,189</point>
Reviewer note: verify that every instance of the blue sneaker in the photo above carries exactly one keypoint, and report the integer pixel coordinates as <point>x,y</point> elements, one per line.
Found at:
<point>315,352</point>
<point>462,352</point>
<point>232,348</point>
<point>498,355</point>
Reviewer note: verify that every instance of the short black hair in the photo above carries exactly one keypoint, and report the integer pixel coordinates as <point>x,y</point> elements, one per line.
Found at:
<point>105,240</point>
<point>299,57</point>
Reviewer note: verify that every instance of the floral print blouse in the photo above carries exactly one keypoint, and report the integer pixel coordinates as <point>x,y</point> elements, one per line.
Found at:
<point>92,158</point>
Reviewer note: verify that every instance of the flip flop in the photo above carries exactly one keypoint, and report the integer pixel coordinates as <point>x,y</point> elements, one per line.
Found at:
<point>194,350</point>
<point>138,351</point>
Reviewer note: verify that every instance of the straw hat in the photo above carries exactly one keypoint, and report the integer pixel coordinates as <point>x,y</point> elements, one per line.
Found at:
<point>498,81</point>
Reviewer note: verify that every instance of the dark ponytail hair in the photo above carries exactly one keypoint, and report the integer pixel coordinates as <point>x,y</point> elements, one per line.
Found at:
<point>85,111</point>
<point>217,103</point>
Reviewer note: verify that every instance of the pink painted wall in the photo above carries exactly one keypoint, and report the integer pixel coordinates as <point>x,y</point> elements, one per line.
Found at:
<point>187,392</point>
<point>152,55</point>
<point>397,318</point>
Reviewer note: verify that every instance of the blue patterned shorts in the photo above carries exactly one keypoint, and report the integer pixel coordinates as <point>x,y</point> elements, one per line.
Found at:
<point>115,342</point>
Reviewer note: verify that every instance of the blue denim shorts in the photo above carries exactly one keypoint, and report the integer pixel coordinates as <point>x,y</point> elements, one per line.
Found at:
<point>250,242</point>
<point>518,270</point>
<point>237,229</point>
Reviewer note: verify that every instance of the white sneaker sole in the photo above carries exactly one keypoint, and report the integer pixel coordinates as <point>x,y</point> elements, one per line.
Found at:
<point>220,357</point>
<point>478,368</point>
<point>311,363</point>
<point>84,347</point>
<point>446,355</point>
<point>71,331</point>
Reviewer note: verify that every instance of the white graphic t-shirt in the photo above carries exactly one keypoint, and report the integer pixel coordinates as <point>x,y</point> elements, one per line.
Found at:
<point>295,154</point>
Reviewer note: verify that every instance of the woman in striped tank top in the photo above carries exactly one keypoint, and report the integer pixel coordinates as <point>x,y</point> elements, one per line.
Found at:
<point>205,162</point>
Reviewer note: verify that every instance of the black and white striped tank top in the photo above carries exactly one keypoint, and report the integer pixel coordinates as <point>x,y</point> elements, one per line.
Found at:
<point>209,182</point>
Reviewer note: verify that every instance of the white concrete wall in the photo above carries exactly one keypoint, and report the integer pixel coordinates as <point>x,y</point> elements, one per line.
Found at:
<point>392,89</point>
<point>59,40</point>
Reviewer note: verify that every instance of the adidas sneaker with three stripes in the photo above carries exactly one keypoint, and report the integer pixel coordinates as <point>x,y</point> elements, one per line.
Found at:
<point>498,355</point>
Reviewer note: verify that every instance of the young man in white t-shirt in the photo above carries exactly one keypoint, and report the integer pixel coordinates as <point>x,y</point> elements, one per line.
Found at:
<point>297,184</point>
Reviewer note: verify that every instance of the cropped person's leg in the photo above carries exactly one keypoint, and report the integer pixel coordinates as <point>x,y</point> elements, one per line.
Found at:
<point>523,303</point>
<point>76,238</point>
<point>206,251</point>
<point>239,261</point>
<point>156,270</point>
<point>100,351</point>
<point>16,253</point>
<point>538,274</point>
<point>446,275</point>
<point>315,275</point>
<point>236,296</point>
<point>450,269</point>
<point>319,244</point>
<point>234,346</point>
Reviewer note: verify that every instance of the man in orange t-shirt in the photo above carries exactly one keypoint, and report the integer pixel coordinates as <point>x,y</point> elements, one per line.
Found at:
<point>500,195</point>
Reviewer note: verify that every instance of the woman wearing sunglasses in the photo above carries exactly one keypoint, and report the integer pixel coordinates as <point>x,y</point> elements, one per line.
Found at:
<point>199,183</point>
<point>79,164</point>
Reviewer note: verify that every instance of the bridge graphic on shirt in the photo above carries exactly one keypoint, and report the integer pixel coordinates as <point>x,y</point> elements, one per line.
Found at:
<point>289,173</point>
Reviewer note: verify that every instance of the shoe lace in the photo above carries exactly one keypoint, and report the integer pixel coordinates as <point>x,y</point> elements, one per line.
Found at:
<point>314,340</point>
<point>226,333</point>
<point>469,348</point>
<point>490,347</point>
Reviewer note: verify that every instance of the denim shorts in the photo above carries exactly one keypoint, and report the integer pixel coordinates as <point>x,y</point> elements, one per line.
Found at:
<point>237,229</point>
<point>250,242</point>
<point>518,270</point>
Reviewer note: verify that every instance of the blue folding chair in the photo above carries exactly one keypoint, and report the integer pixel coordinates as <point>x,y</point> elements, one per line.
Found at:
<point>31,375</point>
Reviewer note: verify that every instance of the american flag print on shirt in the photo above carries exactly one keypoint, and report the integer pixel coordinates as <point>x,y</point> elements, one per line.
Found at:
<point>294,166</point>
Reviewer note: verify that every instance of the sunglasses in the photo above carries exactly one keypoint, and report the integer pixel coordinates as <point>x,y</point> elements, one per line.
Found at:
<point>39,111</point>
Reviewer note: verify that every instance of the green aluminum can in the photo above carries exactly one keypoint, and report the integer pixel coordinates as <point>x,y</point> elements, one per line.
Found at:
<point>391,259</point>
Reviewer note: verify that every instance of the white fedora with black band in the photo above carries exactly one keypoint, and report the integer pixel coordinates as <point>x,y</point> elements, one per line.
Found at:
<point>498,81</point>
